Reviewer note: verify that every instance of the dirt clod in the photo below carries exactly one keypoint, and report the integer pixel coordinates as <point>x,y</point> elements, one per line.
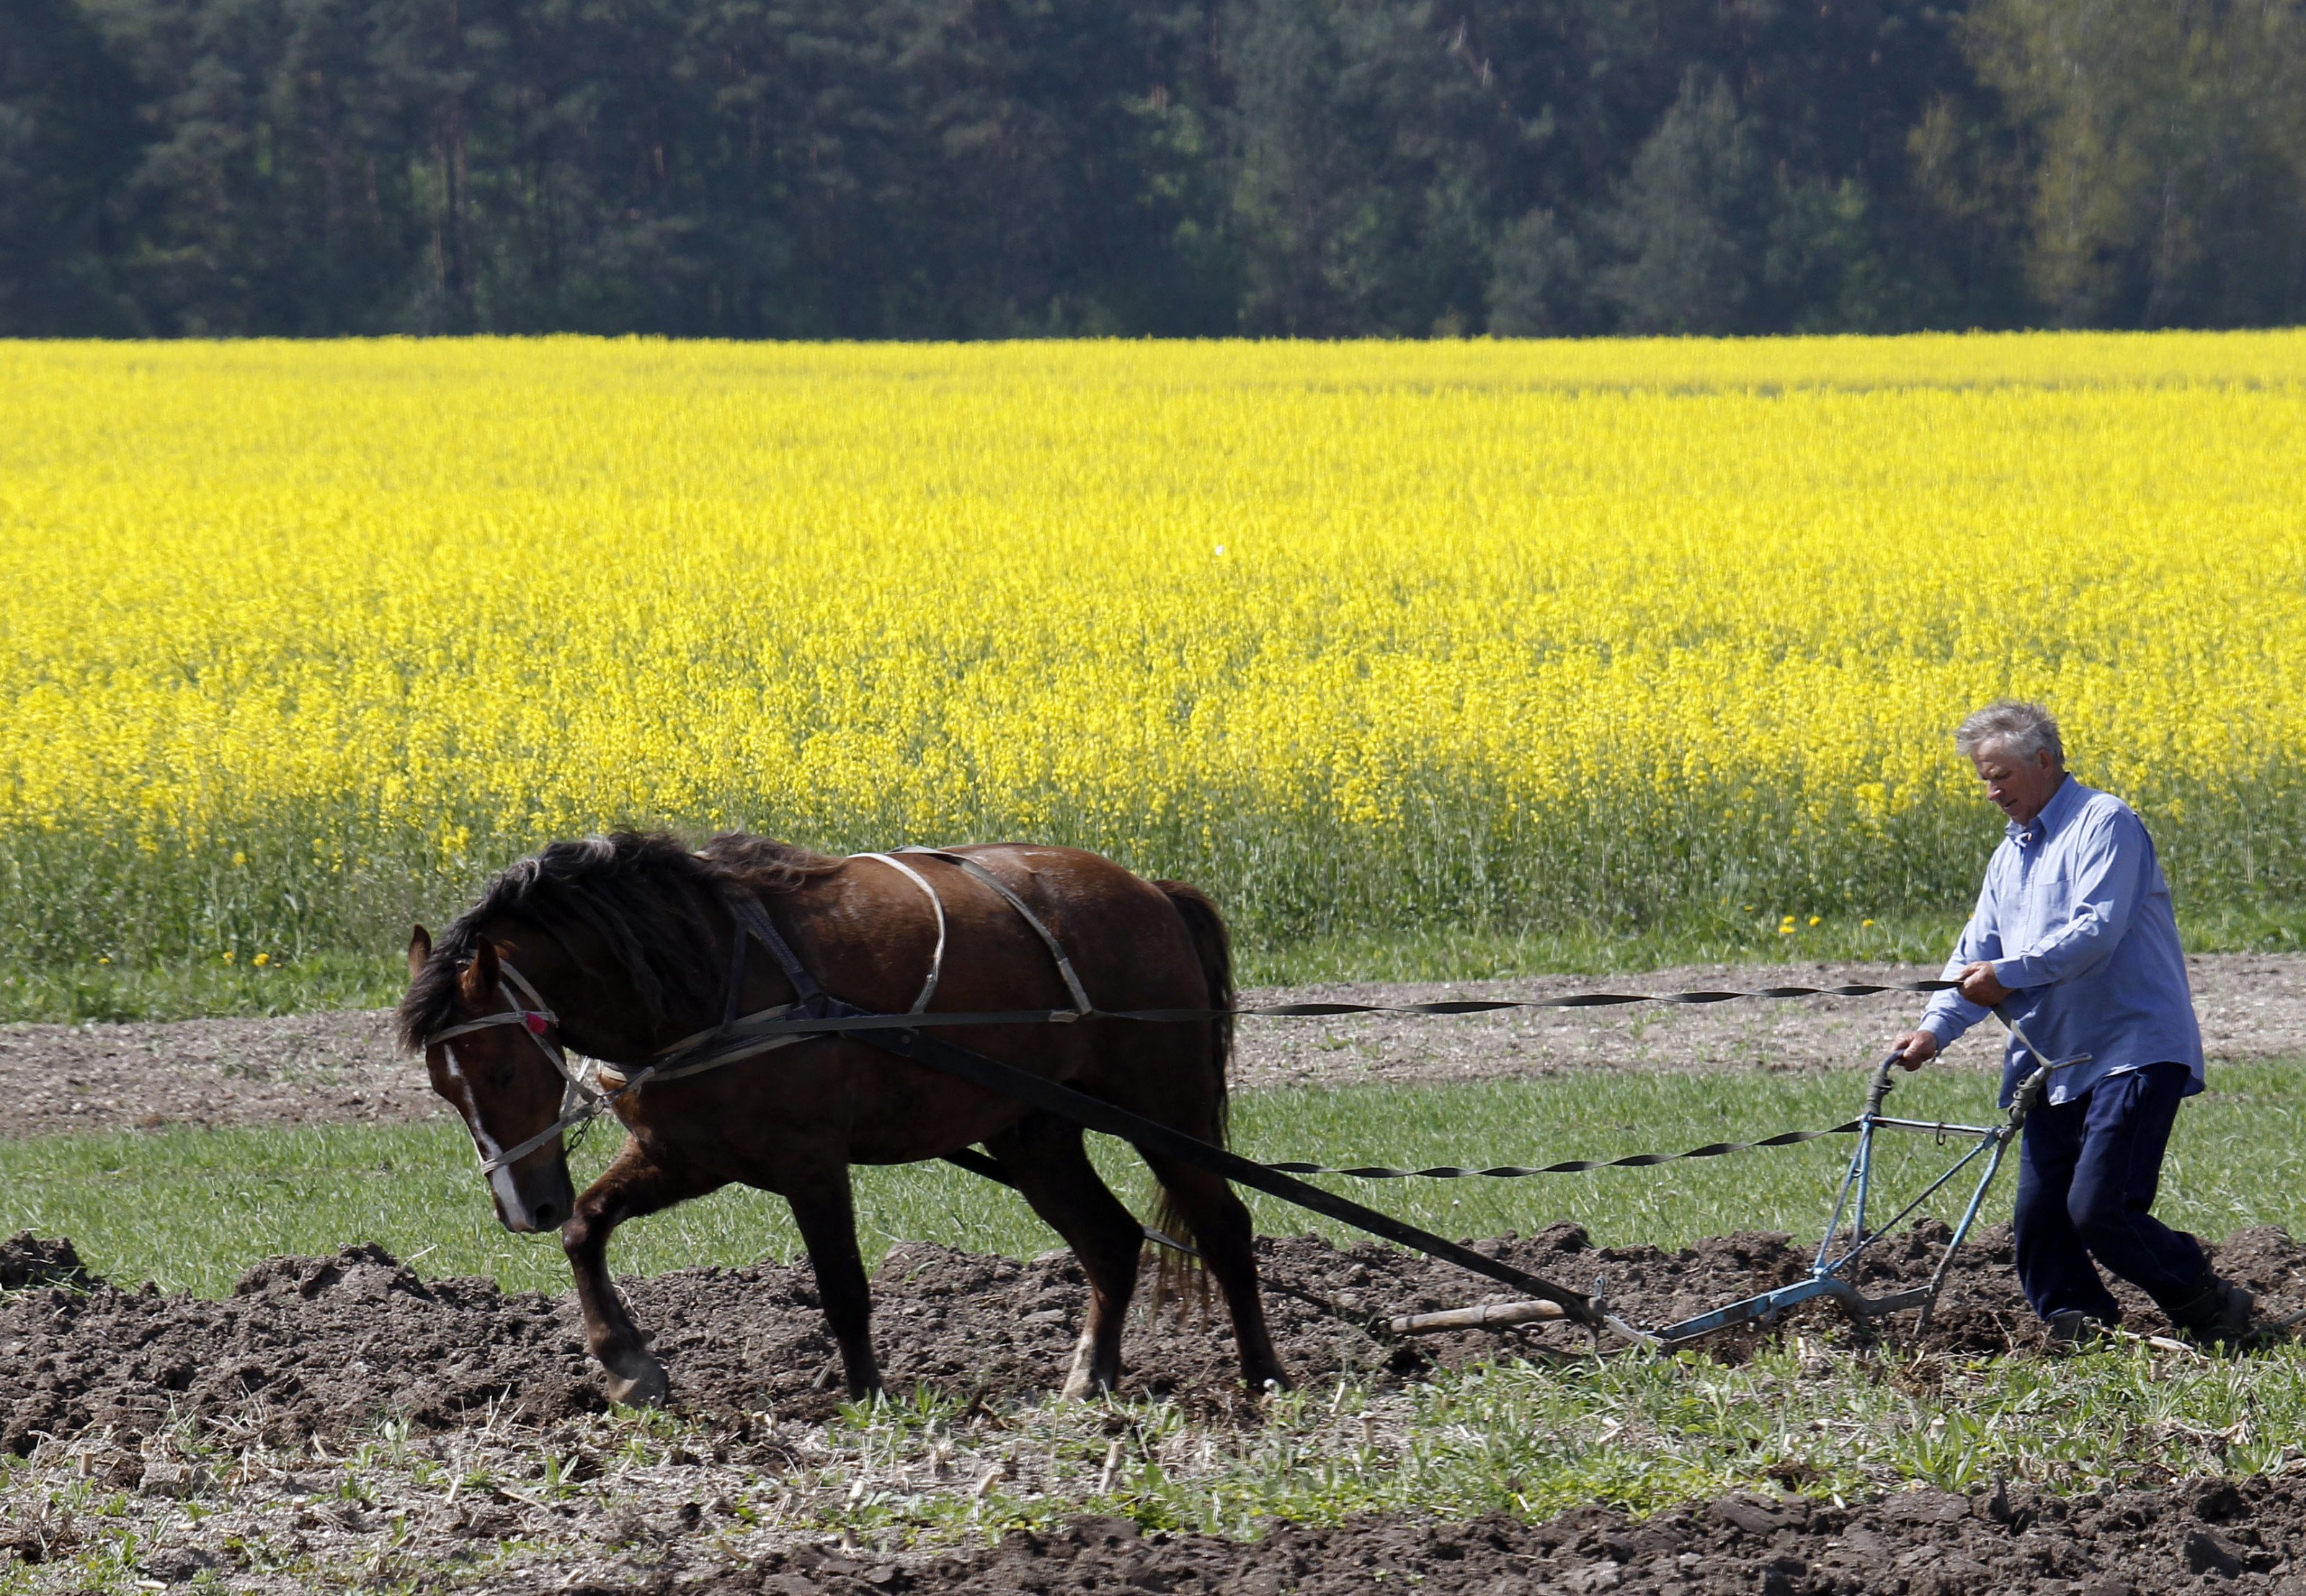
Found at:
<point>312,1350</point>
<point>1913,1543</point>
<point>26,1261</point>
<point>329,1345</point>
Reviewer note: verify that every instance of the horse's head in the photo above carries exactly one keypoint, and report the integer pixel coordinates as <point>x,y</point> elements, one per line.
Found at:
<point>491,1059</point>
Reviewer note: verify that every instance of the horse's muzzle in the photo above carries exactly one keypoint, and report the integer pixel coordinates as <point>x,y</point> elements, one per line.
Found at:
<point>542,1201</point>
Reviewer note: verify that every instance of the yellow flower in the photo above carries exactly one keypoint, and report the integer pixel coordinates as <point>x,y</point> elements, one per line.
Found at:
<point>262,958</point>
<point>1816,919</point>
<point>1508,606</point>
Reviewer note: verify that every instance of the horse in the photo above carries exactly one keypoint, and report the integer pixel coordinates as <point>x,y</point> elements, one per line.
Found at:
<point>632,950</point>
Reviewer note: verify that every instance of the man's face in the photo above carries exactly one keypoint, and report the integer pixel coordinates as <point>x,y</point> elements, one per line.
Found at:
<point>2019,784</point>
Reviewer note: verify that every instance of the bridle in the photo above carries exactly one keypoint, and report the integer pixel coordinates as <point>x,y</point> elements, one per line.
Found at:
<point>580,1100</point>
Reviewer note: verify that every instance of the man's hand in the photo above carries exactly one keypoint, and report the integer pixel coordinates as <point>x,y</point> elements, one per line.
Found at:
<point>1915,1048</point>
<point>1978,984</point>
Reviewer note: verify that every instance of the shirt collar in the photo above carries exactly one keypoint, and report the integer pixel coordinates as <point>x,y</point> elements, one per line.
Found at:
<point>2054,815</point>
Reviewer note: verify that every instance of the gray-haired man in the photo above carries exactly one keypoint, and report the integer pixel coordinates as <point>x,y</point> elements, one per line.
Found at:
<point>2073,931</point>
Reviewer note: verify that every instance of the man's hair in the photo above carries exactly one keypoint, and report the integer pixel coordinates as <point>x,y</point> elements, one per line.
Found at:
<point>2019,728</point>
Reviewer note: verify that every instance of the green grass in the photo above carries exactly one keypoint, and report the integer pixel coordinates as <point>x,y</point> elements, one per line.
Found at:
<point>191,1209</point>
<point>106,993</point>
<point>1642,1434</point>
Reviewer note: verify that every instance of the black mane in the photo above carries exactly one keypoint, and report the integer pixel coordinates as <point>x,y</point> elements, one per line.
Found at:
<point>644,892</point>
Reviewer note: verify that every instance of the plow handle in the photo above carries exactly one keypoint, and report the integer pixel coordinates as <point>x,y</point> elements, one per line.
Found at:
<point>1883,1086</point>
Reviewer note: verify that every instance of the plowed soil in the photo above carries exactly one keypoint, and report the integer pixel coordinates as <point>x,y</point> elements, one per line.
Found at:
<point>328,1346</point>
<point>2213,1536</point>
<point>312,1350</point>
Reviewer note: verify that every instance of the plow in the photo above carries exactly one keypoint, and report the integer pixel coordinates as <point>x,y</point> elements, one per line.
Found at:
<point>1833,1272</point>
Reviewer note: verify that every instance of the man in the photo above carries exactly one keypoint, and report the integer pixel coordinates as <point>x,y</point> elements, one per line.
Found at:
<point>2074,938</point>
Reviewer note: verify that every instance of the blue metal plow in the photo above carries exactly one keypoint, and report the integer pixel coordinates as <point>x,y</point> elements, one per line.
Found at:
<point>1832,1272</point>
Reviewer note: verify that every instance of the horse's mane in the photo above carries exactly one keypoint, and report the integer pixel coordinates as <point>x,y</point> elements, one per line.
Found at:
<point>643,892</point>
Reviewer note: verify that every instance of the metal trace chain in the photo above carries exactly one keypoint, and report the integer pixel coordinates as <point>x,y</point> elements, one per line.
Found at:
<point>1575,1000</point>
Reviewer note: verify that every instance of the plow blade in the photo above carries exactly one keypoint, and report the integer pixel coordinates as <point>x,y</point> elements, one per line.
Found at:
<point>1765,1307</point>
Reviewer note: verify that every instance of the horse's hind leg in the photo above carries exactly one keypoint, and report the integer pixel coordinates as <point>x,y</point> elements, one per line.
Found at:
<point>1044,1157</point>
<point>631,1187</point>
<point>826,1214</point>
<point>1221,1226</point>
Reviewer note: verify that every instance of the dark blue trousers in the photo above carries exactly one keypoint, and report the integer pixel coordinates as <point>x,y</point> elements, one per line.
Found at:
<point>2086,1176</point>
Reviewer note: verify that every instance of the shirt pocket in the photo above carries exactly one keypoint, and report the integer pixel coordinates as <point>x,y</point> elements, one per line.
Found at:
<point>2046,900</point>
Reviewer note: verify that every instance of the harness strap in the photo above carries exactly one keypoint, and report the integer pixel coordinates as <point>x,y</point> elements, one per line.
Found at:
<point>694,1054</point>
<point>1082,1007</point>
<point>573,1090</point>
<point>726,1043</point>
<point>936,959</point>
<point>755,919</point>
<point>526,1019</point>
<point>737,947</point>
<point>672,1071</point>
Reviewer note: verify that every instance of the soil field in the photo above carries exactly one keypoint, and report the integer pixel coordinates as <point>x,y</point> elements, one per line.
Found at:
<point>238,1440</point>
<point>337,1067</point>
<point>127,1388</point>
<point>329,1346</point>
<point>2213,1536</point>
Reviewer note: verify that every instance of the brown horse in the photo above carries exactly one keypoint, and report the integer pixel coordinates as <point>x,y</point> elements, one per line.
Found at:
<point>624,947</point>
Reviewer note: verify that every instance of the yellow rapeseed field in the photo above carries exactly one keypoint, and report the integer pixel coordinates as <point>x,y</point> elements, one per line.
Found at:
<point>301,638</point>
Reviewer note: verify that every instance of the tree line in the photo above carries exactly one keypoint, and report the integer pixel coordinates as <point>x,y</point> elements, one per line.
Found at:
<point>969,168</point>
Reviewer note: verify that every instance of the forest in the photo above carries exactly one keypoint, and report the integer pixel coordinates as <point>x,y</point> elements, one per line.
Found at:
<point>1007,169</point>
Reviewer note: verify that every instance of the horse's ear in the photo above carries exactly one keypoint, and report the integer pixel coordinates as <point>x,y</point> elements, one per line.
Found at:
<point>420,950</point>
<point>481,976</point>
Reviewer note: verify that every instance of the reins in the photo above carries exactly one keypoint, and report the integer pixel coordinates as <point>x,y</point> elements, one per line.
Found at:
<point>813,1014</point>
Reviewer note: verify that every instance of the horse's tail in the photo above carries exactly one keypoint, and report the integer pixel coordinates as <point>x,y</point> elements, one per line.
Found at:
<point>1213,947</point>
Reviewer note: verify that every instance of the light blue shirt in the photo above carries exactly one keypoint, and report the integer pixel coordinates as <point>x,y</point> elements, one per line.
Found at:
<point>2076,916</point>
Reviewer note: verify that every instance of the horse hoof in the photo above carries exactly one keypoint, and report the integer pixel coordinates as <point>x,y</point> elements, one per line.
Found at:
<point>645,1387</point>
<point>1084,1379</point>
<point>1081,1386</point>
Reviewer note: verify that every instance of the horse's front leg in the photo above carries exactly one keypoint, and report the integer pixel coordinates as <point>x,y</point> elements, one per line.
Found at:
<point>822,1210</point>
<point>631,1187</point>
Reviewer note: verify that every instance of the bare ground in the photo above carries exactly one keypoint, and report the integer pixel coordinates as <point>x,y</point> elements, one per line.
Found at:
<point>238,1439</point>
<point>328,1346</point>
<point>342,1067</point>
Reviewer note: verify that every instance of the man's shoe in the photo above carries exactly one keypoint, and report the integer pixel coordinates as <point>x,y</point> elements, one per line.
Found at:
<point>2216,1310</point>
<point>2073,1331</point>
